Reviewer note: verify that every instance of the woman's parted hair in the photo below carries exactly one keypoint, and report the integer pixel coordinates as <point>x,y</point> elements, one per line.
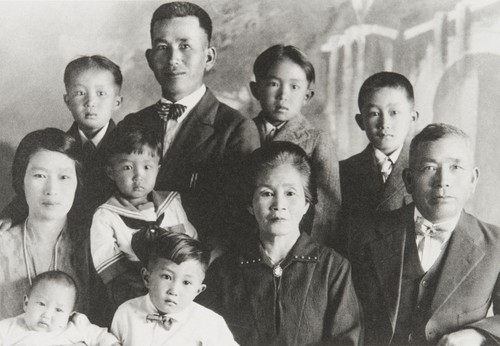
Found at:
<point>275,154</point>
<point>50,139</point>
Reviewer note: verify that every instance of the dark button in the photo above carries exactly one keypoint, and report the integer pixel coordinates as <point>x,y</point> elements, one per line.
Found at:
<point>425,283</point>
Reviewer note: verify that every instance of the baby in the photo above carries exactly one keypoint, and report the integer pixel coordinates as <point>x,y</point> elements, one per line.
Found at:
<point>49,318</point>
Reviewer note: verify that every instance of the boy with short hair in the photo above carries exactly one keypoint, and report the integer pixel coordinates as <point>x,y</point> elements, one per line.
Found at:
<point>371,181</point>
<point>131,155</point>
<point>284,78</point>
<point>174,270</point>
<point>203,140</point>
<point>428,273</point>
<point>49,318</point>
<point>93,85</point>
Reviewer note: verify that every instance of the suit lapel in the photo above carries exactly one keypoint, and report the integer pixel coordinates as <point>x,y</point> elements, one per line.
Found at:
<point>367,176</point>
<point>196,128</point>
<point>259,122</point>
<point>394,183</point>
<point>462,256</point>
<point>388,255</point>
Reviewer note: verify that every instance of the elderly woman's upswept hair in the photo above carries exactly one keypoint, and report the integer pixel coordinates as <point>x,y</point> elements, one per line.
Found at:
<point>50,139</point>
<point>279,153</point>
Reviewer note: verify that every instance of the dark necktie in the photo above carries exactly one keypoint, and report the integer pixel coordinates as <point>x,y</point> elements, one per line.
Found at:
<point>169,111</point>
<point>164,321</point>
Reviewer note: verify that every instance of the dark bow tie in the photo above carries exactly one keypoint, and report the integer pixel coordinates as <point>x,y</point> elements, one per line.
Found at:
<point>168,111</point>
<point>165,321</point>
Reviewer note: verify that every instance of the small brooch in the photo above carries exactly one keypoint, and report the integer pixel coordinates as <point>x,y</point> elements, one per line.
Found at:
<point>277,271</point>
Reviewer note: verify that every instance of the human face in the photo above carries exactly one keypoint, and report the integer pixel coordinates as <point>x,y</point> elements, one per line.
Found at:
<point>134,174</point>
<point>172,287</point>
<point>179,56</point>
<point>49,185</point>
<point>279,202</point>
<point>441,178</point>
<point>387,116</point>
<point>92,97</point>
<point>49,307</point>
<point>283,92</point>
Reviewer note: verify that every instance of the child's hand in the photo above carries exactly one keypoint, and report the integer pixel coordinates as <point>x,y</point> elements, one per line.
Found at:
<point>5,224</point>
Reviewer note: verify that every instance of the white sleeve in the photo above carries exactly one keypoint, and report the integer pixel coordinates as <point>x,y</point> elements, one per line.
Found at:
<point>179,217</point>
<point>119,324</point>
<point>92,334</point>
<point>103,244</point>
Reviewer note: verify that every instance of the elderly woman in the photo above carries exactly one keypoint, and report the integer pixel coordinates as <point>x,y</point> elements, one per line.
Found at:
<point>279,287</point>
<point>45,173</point>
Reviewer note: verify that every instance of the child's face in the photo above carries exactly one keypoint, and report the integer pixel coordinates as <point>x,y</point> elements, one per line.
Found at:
<point>180,55</point>
<point>134,174</point>
<point>283,92</point>
<point>279,201</point>
<point>441,178</point>
<point>172,287</point>
<point>49,306</point>
<point>92,97</point>
<point>387,116</point>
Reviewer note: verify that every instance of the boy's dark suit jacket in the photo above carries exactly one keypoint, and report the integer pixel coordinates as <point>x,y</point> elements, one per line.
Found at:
<point>468,283</point>
<point>363,192</point>
<point>320,149</point>
<point>204,160</point>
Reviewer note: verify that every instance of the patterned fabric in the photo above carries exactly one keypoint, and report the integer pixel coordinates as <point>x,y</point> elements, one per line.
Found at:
<point>164,321</point>
<point>170,111</point>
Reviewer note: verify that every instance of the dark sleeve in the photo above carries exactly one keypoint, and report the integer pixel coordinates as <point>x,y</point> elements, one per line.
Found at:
<point>344,325</point>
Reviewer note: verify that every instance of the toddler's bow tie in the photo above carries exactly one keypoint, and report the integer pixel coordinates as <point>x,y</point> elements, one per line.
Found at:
<point>165,321</point>
<point>167,111</point>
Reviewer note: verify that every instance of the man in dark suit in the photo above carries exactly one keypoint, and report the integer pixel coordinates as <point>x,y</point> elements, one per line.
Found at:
<point>429,272</point>
<point>204,140</point>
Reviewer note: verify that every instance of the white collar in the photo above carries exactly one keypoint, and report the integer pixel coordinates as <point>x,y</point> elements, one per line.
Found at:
<point>97,138</point>
<point>179,316</point>
<point>448,225</point>
<point>380,156</point>
<point>189,101</point>
<point>268,126</point>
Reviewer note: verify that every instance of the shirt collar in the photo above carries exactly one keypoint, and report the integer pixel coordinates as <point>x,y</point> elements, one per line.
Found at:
<point>179,316</point>
<point>304,250</point>
<point>189,101</point>
<point>97,138</point>
<point>380,156</point>
<point>448,225</point>
<point>268,126</point>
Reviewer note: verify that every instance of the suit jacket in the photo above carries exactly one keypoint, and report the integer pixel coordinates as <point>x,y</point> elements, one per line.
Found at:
<point>364,194</point>
<point>468,283</point>
<point>204,161</point>
<point>322,221</point>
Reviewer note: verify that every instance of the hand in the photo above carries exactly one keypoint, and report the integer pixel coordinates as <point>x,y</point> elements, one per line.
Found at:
<point>5,224</point>
<point>464,337</point>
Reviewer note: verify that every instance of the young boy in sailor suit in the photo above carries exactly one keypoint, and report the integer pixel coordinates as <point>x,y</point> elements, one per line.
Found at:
<point>132,157</point>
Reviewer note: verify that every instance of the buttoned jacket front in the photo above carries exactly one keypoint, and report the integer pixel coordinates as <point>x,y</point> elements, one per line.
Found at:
<point>313,302</point>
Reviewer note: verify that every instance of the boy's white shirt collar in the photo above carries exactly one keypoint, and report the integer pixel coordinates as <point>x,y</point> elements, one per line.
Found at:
<point>268,126</point>
<point>189,101</point>
<point>97,138</point>
<point>179,317</point>
<point>380,156</point>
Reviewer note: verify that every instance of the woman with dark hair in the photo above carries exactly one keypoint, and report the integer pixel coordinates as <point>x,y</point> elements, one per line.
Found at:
<point>46,173</point>
<point>278,287</point>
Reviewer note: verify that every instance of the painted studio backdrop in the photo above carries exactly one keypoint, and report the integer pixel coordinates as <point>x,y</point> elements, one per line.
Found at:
<point>449,49</point>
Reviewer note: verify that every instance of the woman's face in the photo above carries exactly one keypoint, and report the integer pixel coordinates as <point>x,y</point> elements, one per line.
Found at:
<point>278,202</point>
<point>50,185</point>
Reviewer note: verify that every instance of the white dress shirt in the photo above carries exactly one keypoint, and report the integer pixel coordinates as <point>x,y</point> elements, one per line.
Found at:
<point>194,325</point>
<point>429,248</point>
